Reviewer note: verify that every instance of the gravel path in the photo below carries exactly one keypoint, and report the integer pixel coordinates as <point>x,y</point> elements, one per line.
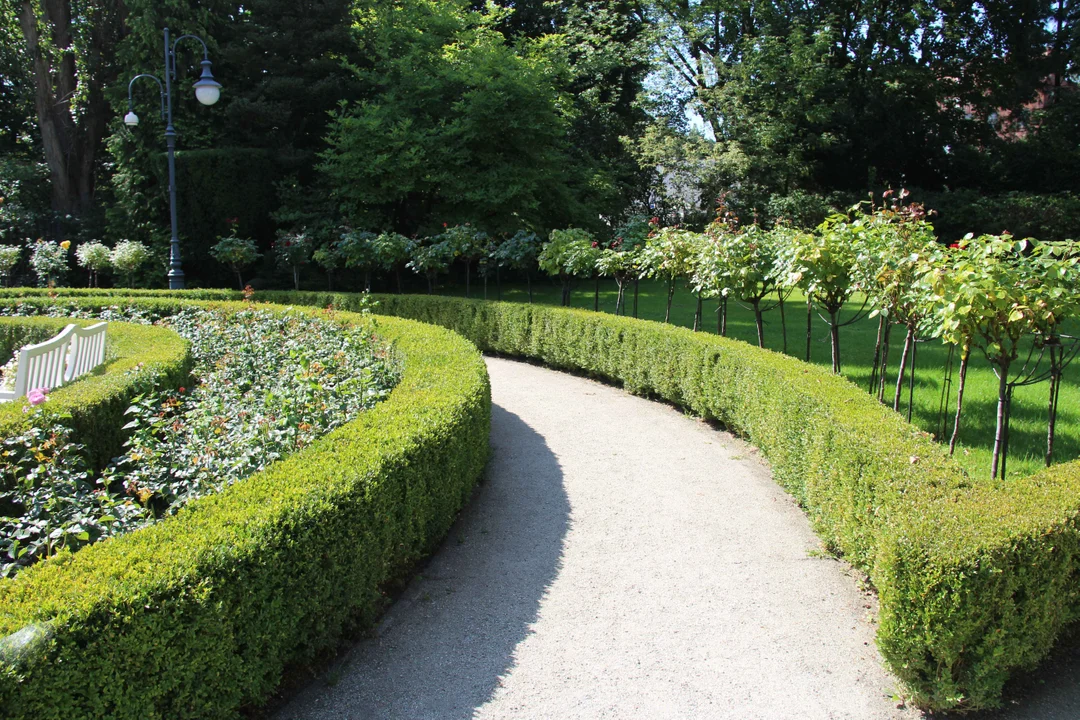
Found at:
<point>620,560</point>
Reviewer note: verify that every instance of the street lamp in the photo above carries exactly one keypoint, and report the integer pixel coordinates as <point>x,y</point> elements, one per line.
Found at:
<point>207,91</point>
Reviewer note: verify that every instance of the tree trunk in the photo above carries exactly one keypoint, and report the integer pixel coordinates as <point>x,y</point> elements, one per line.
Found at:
<point>296,277</point>
<point>528,281</point>
<point>485,286</point>
<point>723,317</point>
<point>809,326</point>
<point>468,277</point>
<point>908,340</point>
<point>636,281</point>
<point>596,296</point>
<point>70,133</point>
<point>999,430</point>
<point>397,276</point>
<point>240,280</point>
<point>670,295</point>
<point>367,281</point>
<point>330,280</point>
<point>697,314</point>
<point>498,283</point>
<point>959,399</point>
<point>834,335</point>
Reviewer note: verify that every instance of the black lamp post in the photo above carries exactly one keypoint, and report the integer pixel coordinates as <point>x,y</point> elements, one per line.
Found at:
<point>207,91</point>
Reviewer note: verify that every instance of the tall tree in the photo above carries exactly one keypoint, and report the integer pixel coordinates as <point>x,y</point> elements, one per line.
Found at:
<point>71,51</point>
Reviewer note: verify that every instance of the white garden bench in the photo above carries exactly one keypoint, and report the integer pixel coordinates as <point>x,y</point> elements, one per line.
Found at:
<point>53,363</point>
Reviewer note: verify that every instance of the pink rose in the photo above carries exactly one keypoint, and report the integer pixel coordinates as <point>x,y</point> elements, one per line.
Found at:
<point>36,396</point>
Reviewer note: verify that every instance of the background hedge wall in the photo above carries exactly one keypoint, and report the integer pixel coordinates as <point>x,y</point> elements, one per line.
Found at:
<point>198,615</point>
<point>94,405</point>
<point>975,578</point>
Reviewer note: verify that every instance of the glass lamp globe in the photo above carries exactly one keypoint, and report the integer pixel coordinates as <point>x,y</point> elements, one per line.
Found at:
<point>131,119</point>
<point>207,90</point>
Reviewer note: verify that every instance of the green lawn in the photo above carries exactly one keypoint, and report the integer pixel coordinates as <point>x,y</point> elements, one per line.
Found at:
<point>1028,433</point>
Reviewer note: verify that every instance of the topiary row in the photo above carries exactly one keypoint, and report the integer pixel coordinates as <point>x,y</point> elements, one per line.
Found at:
<point>976,578</point>
<point>200,614</point>
<point>137,358</point>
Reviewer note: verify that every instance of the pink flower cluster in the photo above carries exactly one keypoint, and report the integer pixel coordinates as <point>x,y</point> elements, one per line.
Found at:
<point>37,396</point>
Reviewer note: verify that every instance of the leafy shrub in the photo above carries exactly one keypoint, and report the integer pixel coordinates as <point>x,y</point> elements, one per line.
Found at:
<point>95,257</point>
<point>236,252</point>
<point>49,261</point>
<point>975,578</point>
<point>198,615</point>
<point>9,258</point>
<point>128,257</point>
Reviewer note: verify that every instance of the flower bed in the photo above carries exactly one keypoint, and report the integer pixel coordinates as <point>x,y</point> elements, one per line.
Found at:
<point>199,614</point>
<point>267,385</point>
<point>975,578</point>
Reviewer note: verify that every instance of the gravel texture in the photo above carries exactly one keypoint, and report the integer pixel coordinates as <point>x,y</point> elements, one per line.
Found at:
<point>620,560</point>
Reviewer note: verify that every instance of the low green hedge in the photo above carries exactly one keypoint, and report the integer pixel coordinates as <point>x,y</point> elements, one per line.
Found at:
<point>198,615</point>
<point>209,294</point>
<point>975,578</point>
<point>137,357</point>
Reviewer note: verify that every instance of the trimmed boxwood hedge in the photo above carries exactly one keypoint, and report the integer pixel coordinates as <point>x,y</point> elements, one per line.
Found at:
<point>975,578</point>
<point>94,405</point>
<point>199,615</point>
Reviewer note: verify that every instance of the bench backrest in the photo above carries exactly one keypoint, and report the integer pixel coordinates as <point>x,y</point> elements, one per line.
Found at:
<point>44,365</point>
<point>87,351</point>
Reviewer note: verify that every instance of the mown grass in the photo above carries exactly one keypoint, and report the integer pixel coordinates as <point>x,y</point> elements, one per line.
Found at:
<point>1027,442</point>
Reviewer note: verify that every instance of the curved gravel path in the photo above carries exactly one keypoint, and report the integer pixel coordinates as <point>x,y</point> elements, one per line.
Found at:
<point>621,560</point>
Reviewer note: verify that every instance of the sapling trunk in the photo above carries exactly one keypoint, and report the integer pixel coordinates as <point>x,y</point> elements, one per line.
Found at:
<point>485,286</point>
<point>528,281</point>
<point>908,340</point>
<point>999,430</point>
<point>911,379</point>
<point>498,284</point>
<point>330,280</point>
<point>296,277</point>
<point>809,325</point>
<point>468,277</point>
<point>429,284</point>
<point>596,296</point>
<point>697,314</point>
<point>759,322</point>
<point>723,317</point>
<point>884,362</point>
<point>720,316</point>
<point>397,276</point>
<point>959,398</point>
<point>877,353</point>
<point>240,280</point>
<point>636,281</point>
<point>1055,387</point>
<point>834,336</point>
<point>367,281</point>
<point>670,295</point>
<point>783,321</point>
